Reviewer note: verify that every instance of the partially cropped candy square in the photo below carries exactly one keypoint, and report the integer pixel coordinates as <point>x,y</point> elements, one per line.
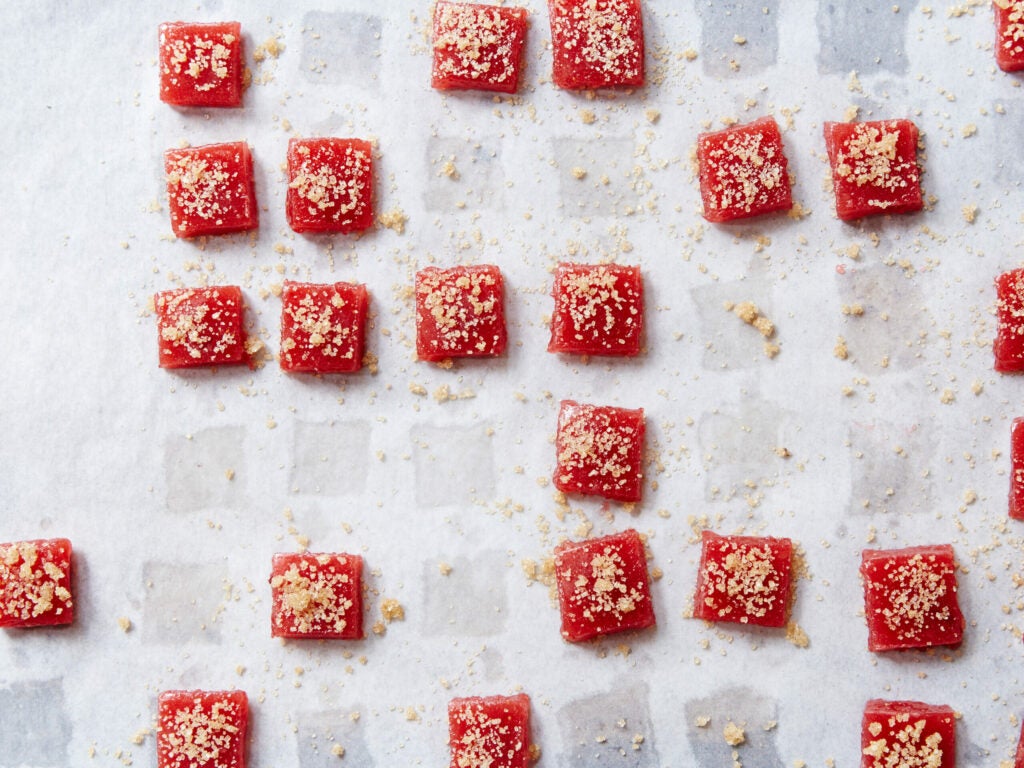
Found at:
<point>1008,345</point>
<point>910,597</point>
<point>35,583</point>
<point>489,731</point>
<point>744,579</point>
<point>201,729</point>
<point>603,586</point>
<point>1009,34</point>
<point>907,734</point>
<point>317,596</point>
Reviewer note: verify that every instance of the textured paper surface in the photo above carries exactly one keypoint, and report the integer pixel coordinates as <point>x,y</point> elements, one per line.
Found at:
<point>132,462</point>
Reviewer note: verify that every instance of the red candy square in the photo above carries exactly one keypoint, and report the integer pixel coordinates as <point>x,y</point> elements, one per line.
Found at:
<point>477,47</point>
<point>491,731</point>
<point>201,729</point>
<point>330,185</point>
<point>596,43</point>
<point>1009,34</point>
<point>599,310</point>
<point>322,327</point>
<point>600,451</point>
<point>743,171</point>
<point>1017,469</point>
<point>317,596</point>
<point>1008,345</point>
<point>201,326</point>
<point>201,64</point>
<point>910,598</point>
<point>35,583</point>
<point>874,167</point>
<point>603,586</point>
<point>1018,758</point>
<point>459,312</point>
<point>210,189</point>
<point>907,734</point>
<point>744,579</point>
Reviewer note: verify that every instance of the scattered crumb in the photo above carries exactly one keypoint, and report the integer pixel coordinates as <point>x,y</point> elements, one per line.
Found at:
<point>338,751</point>
<point>782,452</point>
<point>392,610</point>
<point>124,623</point>
<point>734,735</point>
<point>702,721</point>
<point>444,568</point>
<point>796,635</point>
<point>652,115</point>
<point>970,213</point>
<point>587,116</point>
<point>579,173</point>
<point>411,714</point>
<point>840,350</point>
<point>395,220</point>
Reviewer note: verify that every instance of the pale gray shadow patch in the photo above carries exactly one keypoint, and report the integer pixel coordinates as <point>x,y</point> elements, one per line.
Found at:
<point>1007,128</point>
<point>732,343</point>
<point>595,176</point>
<point>747,709</point>
<point>741,446</point>
<point>461,171</point>
<point>876,345</point>
<point>754,20</point>
<point>471,600</point>
<point>183,602</point>
<point>319,732</point>
<point>609,729</point>
<point>331,459</point>
<point>889,466</point>
<point>34,727</point>
<point>454,465</point>
<point>866,37</point>
<point>197,469</point>
<point>341,48</point>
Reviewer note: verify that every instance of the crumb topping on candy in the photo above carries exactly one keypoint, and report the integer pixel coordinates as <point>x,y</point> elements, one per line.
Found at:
<point>749,576</point>
<point>313,597</point>
<point>917,595</point>
<point>1011,34</point>
<point>198,184</point>
<point>751,169</point>
<point>479,42</point>
<point>200,56</point>
<point>606,590</point>
<point>327,334</point>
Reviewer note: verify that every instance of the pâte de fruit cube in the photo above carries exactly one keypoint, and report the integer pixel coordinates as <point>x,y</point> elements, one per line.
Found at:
<point>910,598</point>
<point>1009,34</point>
<point>599,310</point>
<point>489,731</point>
<point>201,64</point>
<point>35,583</point>
<point>874,167</point>
<point>1008,345</point>
<point>317,596</point>
<point>201,729</point>
<point>744,579</point>
<point>330,185</point>
<point>201,326</point>
<point>907,734</point>
<point>322,327</point>
<point>1017,469</point>
<point>477,47</point>
<point>596,43</point>
<point>210,189</point>
<point>460,312</point>
<point>1018,758</point>
<point>600,451</point>
<point>743,171</point>
<point>603,586</point>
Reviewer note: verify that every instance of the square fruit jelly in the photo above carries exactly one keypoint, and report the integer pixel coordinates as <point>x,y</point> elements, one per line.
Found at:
<point>600,451</point>
<point>907,734</point>
<point>603,586</point>
<point>743,171</point>
<point>596,43</point>
<point>210,189</point>
<point>874,167</point>
<point>460,312</point>
<point>599,310</point>
<point>201,64</point>
<point>1008,345</point>
<point>330,185</point>
<point>201,729</point>
<point>1009,34</point>
<point>744,579</point>
<point>317,596</point>
<point>492,731</point>
<point>322,327</point>
<point>35,583</point>
<point>910,598</point>
<point>477,47</point>
<point>201,326</point>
